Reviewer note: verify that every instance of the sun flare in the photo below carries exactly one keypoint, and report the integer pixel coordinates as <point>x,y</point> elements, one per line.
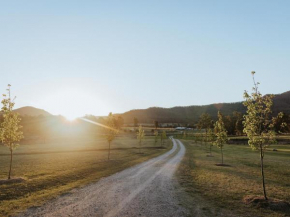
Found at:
<point>71,118</point>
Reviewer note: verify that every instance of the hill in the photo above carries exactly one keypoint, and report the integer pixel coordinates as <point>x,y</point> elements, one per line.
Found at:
<point>31,111</point>
<point>190,114</point>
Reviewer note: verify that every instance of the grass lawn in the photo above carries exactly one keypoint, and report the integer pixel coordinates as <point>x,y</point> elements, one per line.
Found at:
<point>223,188</point>
<point>54,168</point>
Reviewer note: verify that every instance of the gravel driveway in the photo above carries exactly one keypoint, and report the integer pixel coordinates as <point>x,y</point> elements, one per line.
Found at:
<point>147,189</point>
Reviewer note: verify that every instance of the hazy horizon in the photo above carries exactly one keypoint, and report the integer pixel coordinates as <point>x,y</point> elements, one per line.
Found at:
<point>112,56</point>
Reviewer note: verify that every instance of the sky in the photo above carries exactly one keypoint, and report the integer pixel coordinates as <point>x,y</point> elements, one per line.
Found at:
<point>94,57</point>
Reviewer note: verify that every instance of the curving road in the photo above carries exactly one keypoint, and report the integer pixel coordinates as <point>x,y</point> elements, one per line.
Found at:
<point>147,189</point>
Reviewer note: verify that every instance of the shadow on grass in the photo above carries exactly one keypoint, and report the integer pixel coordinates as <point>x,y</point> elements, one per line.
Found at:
<point>11,181</point>
<point>223,165</point>
<point>272,204</point>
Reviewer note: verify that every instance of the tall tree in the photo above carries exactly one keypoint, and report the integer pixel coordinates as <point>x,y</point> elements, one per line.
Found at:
<point>221,134</point>
<point>258,123</point>
<point>10,132</point>
<point>140,136</point>
<point>111,131</point>
<point>205,122</point>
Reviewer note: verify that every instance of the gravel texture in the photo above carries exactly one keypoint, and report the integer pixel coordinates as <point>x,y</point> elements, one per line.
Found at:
<point>147,189</point>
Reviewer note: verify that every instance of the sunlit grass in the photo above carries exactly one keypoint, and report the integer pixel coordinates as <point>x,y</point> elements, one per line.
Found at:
<point>225,187</point>
<point>56,167</point>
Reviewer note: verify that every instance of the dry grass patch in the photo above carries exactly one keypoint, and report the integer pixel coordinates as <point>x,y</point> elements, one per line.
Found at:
<point>225,187</point>
<point>51,169</point>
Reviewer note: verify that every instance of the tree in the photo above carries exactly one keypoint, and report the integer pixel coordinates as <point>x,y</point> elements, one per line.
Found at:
<point>258,124</point>
<point>234,123</point>
<point>163,137</point>
<point>135,122</point>
<point>156,124</point>
<point>221,134</point>
<point>10,132</point>
<point>282,123</point>
<point>111,131</point>
<point>211,139</point>
<point>238,117</point>
<point>140,136</point>
<point>229,124</point>
<point>155,136</point>
<point>205,122</point>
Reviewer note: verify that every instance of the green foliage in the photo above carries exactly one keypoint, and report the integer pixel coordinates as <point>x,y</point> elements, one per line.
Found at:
<point>211,136</point>
<point>258,123</point>
<point>111,131</point>
<point>10,132</point>
<point>140,135</point>
<point>211,139</point>
<point>163,136</point>
<point>234,123</point>
<point>205,122</point>
<point>10,129</point>
<point>220,132</point>
<point>282,123</point>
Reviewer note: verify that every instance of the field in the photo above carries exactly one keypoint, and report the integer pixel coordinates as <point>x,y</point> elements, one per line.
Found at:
<point>222,189</point>
<point>55,167</point>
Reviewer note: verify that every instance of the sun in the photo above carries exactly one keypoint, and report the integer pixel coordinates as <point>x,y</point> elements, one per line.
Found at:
<point>71,118</point>
<point>74,100</point>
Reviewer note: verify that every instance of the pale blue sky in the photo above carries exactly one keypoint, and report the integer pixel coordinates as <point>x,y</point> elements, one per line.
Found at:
<point>77,57</point>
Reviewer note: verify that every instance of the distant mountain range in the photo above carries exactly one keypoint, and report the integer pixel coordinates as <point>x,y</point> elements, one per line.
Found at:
<point>31,111</point>
<point>179,114</point>
<point>190,114</point>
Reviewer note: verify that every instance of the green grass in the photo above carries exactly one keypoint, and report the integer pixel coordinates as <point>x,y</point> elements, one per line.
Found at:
<point>56,167</point>
<point>224,188</point>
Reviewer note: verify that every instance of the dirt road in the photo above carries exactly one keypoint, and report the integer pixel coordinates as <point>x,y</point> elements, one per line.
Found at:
<point>147,189</point>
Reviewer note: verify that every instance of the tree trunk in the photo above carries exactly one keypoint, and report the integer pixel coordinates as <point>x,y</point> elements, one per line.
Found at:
<point>109,150</point>
<point>11,156</point>
<point>262,172</point>
<point>210,149</point>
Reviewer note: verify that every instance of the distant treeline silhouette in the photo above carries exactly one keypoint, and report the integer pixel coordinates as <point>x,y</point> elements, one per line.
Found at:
<point>191,114</point>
